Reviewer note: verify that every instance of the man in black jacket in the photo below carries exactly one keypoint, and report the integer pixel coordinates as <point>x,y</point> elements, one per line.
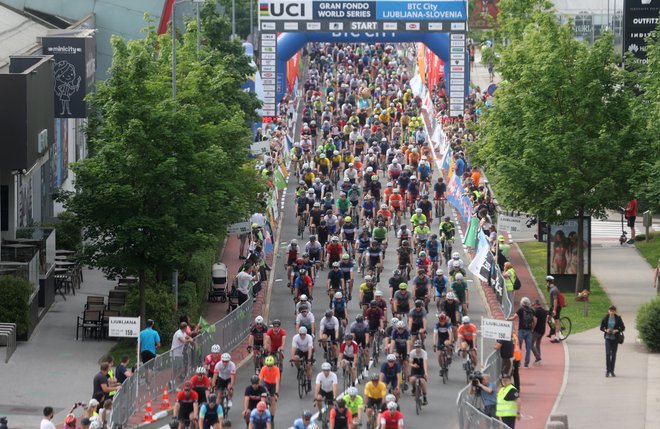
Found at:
<point>613,327</point>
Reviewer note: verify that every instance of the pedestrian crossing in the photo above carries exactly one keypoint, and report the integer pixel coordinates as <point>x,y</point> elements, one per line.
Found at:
<point>609,229</point>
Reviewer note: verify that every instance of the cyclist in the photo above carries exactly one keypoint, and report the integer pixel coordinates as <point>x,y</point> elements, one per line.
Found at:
<point>427,208</point>
<point>326,386</point>
<point>210,414</point>
<point>364,241</point>
<point>374,391</point>
<point>368,209</point>
<point>347,354</point>
<point>340,416</point>
<point>211,360</point>
<point>442,337</point>
<point>253,395</point>
<point>329,331</point>
<point>390,372</point>
<point>404,255</point>
<point>394,283</point>
<point>186,406</point>
<point>302,349</point>
<point>382,304</point>
<point>467,338</point>
<point>439,283</point>
<point>447,230</point>
<point>335,282</point>
<point>450,308</point>
<point>413,191</point>
<point>304,421</point>
<point>334,250</point>
<point>339,308</point>
<point>433,250</point>
<point>400,338</point>
<point>375,317</point>
<point>260,417</point>
<point>402,301</point>
<point>306,319</point>
<point>269,377</point>
<point>389,398</point>
<point>421,233</point>
<point>224,377</point>
<point>439,190</point>
<point>421,287</point>
<point>201,384</point>
<point>346,267</point>
<point>396,204</point>
<point>423,262</point>
<point>367,290</point>
<point>292,252</point>
<point>419,368</point>
<point>256,339</point>
<point>455,265</point>
<point>460,288</point>
<point>392,418</point>
<point>348,234</point>
<point>315,251</point>
<point>303,301</point>
<point>355,403</point>
<point>360,329</point>
<point>379,233</point>
<point>275,339</point>
<point>384,215</point>
<point>331,219</point>
<point>417,320</point>
<point>343,205</point>
<point>303,284</point>
<point>374,255</point>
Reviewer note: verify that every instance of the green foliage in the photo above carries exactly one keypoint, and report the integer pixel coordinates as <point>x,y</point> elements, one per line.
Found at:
<point>68,231</point>
<point>515,15</point>
<point>242,15</point>
<point>198,270</point>
<point>535,255</point>
<point>489,56</point>
<point>166,178</point>
<point>648,324</point>
<point>159,306</point>
<point>15,293</point>
<point>190,302</point>
<point>650,249</point>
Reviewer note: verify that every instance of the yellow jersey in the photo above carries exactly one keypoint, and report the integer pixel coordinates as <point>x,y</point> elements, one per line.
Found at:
<point>378,391</point>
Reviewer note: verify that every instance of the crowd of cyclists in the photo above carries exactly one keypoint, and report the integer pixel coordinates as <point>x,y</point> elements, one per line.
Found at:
<point>365,173</point>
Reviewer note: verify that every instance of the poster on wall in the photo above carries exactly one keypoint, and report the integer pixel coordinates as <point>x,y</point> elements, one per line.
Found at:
<point>24,201</point>
<point>59,153</point>
<point>563,247</point>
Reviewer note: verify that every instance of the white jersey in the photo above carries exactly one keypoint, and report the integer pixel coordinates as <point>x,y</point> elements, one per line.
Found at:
<point>302,344</point>
<point>326,383</point>
<point>331,324</point>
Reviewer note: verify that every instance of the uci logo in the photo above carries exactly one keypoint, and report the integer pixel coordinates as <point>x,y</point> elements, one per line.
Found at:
<point>278,9</point>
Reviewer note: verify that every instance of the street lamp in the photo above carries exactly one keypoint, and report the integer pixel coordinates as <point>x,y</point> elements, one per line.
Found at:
<point>173,26</point>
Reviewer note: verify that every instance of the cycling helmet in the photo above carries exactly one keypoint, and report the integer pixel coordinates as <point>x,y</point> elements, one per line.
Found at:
<point>549,279</point>
<point>254,379</point>
<point>201,370</point>
<point>326,366</point>
<point>270,361</point>
<point>439,272</point>
<point>419,303</point>
<point>306,415</point>
<point>302,330</point>
<point>418,210</point>
<point>359,318</point>
<point>465,319</point>
<point>394,321</point>
<point>341,403</point>
<point>328,314</point>
<point>383,206</point>
<point>370,169</point>
<point>400,324</point>
<point>294,241</point>
<point>403,285</point>
<point>345,257</point>
<point>459,276</point>
<point>451,295</point>
<point>303,297</point>
<point>422,254</point>
<point>277,322</point>
<point>351,391</point>
<point>390,398</point>
<point>303,271</point>
<point>348,219</point>
<point>373,303</point>
<point>226,357</point>
<point>396,190</point>
<point>212,398</point>
<point>396,272</point>
<point>70,420</point>
<point>389,184</point>
<point>335,265</point>
<point>348,337</point>
<point>374,376</point>
<point>374,178</point>
<point>367,278</point>
<point>391,358</point>
<point>339,295</point>
<point>418,343</point>
<point>455,256</point>
<point>258,320</point>
<point>378,293</point>
<point>391,406</point>
<point>215,348</point>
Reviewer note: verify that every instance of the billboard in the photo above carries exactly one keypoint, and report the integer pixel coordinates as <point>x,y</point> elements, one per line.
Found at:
<point>74,70</point>
<point>563,247</point>
<point>640,17</point>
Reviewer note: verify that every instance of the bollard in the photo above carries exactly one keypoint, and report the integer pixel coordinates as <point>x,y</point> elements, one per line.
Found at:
<point>555,425</point>
<point>560,417</point>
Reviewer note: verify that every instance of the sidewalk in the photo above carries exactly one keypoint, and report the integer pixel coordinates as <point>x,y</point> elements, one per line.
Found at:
<point>52,368</point>
<point>632,399</point>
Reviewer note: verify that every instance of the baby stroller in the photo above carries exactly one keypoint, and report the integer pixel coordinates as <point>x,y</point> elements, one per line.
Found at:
<point>218,289</point>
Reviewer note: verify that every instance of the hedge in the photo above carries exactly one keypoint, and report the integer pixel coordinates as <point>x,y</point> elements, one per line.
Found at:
<point>648,324</point>
<point>15,293</point>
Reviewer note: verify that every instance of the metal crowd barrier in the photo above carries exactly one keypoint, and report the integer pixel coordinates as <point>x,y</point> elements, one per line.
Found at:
<point>171,369</point>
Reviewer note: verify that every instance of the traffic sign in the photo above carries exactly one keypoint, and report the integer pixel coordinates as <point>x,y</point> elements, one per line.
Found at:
<point>124,327</point>
<point>496,329</point>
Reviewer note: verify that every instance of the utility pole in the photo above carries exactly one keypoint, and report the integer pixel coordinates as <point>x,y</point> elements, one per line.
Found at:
<point>233,19</point>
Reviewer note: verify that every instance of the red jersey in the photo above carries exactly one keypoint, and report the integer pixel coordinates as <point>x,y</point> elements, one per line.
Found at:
<point>334,249</point>
<point>276,338</point>
<point>212,360</point>
<point>200,382</point>
<point>353,345</point>
<point>391,421</point>
<point>183,399</point>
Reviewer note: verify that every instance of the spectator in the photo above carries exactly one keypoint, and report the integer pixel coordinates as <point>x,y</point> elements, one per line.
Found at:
<point>46,422</point>
<point>106,412</point>
<point>91,409</point>
<point>149,342</point>
<point>192,330</point>
<point>122,372</point>
<point>101,387</point>
<point>243,281</point>
<point>631,215</point>
<point>517,357</point>
<point>541,315</point>
<point>179,341</point>
<point>85,423</point>
<point>504,248</point>
<point>612,327</point>
<point>505,348</point>
<point>509,275</point>
<point>508,402</point>
<point>488,393</point>
<point>526,324</point>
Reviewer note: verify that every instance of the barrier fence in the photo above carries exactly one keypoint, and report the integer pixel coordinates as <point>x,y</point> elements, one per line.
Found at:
<point>169,370</point>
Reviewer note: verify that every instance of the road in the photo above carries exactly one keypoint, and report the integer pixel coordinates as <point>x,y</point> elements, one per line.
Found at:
<point>442,398</point>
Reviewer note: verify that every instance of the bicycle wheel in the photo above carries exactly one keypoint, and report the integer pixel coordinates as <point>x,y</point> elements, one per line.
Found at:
<point>302,384</point>
<point>565,327</point>
<point>418,397</point>
<point>468,370</point>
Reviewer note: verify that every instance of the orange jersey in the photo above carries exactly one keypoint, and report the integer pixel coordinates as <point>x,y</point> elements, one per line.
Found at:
<point>385,213</point>
<point>387,194</point>
<point>396,200</point>
<point>469,331</point>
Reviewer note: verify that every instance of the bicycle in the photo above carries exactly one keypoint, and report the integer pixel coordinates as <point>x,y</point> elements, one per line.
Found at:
<point>444,365</point>
<point>565,327</point>
<point>347,374</point>
<point>418,395</point>
<point>302,222</point>
<point>303,381</point>
<point>360,362</point>
<point>440,208</point>
<point>372,423</point>
<point>224,402</point>
<point>324,414</point>
<point>375,346</point>
<point>258,358</point>
<point>468,366</point>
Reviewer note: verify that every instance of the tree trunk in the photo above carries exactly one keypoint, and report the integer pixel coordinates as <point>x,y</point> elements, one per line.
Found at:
<point>579,281</point>
<point>143,304</point>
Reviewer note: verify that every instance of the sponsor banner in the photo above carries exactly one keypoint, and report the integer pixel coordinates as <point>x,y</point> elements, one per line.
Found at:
<point>286,10</point>
<point>640,18</point>
<point>455,196</point>
<point>348,10</point>
<point>422,10</point>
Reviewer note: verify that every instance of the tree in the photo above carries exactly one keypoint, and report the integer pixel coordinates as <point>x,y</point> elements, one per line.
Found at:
<point>514,16</point>
<point>165,179</point>
<point>561,138</point>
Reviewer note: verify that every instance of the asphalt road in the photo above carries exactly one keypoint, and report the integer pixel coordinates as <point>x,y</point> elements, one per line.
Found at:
<point>442,398</point>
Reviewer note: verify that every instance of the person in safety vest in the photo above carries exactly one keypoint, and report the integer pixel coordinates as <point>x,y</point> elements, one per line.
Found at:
<point>508,402</point>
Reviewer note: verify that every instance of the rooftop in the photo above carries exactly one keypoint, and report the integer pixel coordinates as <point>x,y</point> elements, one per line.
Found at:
<point>18,35</point>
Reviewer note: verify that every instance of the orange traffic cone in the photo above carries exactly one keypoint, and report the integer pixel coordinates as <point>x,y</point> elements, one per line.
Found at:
<point>148,417</point>
<point>165,404</point>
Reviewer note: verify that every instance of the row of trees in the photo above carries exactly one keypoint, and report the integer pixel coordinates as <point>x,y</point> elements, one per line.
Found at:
<point>165,178</point>
<point>570,134</point>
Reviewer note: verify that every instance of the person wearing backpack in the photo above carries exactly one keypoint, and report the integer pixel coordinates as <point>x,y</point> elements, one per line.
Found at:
<point>555,306</point>
<point>526,324</point>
